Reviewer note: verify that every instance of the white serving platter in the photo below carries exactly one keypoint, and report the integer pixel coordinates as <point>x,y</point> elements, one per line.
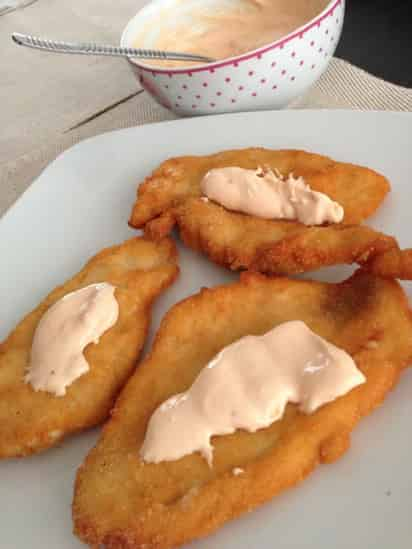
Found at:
<point>81,204</point>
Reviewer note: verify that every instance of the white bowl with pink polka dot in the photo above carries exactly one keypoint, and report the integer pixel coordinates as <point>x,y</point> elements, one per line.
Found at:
<point>267,78</point>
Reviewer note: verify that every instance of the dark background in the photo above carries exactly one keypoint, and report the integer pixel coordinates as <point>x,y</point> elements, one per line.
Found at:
<point>377,36</point>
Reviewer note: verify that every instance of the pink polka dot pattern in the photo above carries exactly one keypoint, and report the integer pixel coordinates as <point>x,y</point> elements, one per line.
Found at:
<point>270,77</point>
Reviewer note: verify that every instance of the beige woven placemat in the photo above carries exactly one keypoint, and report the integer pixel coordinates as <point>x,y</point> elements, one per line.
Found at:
<point>341,87</point>
<point>43,94</point>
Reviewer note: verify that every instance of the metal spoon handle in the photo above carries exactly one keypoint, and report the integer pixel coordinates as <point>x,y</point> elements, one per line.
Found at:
<point>89,48</point>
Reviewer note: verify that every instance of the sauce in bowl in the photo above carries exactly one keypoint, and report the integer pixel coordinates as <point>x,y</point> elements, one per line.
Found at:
<point>230,29</point>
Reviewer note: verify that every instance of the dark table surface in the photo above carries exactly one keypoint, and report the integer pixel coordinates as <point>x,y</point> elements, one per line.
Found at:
<point>377,36</point>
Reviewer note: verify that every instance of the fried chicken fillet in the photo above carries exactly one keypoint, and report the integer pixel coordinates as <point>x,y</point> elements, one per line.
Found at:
<point>172,195</point>
<point>122,502</point>
<point>32,421</point>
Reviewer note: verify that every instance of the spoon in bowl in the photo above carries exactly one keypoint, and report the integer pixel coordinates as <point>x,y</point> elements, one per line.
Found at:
<point>90,48</point>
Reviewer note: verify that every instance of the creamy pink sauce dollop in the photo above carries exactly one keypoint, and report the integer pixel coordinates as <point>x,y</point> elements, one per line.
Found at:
<point>67,327</point>
<point>269,195</point>
<point>247,386</point>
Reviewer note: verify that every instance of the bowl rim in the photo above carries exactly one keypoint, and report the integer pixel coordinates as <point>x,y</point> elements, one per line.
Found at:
<point>234,61</point>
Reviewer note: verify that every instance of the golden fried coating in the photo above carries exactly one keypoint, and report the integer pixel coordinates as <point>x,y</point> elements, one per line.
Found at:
<point>359,190</point>
<point>33,421</point>
<point>172,196</point>
<point>242,241</point>
<point>123,503</point>
<point>394,263</point>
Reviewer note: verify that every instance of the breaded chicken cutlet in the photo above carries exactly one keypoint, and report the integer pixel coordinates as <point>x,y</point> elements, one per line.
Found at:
<point>172,196</point>
<point>122,502</point>
<point>32,421</point>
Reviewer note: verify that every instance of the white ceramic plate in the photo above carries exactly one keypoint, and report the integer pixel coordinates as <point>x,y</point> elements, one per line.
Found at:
<point>81,203</point>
